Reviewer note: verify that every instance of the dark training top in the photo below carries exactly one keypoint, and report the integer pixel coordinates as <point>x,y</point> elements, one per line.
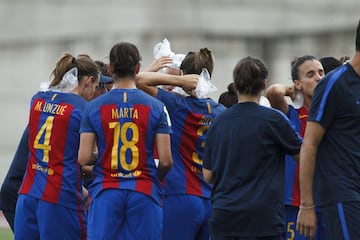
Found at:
<point>14,177</point>
<point>245,150</point>
<point>336,107</point>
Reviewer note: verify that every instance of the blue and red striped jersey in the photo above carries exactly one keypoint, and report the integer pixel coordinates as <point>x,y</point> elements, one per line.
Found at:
<point>292,187</point>
<point>125,122</point>
<point>53,173</point>
<point>190,118</point>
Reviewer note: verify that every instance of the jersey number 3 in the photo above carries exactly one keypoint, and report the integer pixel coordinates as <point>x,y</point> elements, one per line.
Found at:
<point>195,156</point>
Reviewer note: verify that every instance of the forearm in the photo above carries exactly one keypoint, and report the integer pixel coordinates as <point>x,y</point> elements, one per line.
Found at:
<point>155,79</point>
<point>86,154</point>
<point>276,94</point>
<point>313,135</point>
<point>307,169</point>
<point>306,220</point>
<point>163,144</point>
<point>163,170</point>
<point>89,160</point>
<point>158,64</point>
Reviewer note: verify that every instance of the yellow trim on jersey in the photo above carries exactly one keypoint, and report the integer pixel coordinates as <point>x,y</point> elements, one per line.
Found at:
<point>54,96</point>
<point>209,107</point>
<point>125,97</point>
<point>303,116</point>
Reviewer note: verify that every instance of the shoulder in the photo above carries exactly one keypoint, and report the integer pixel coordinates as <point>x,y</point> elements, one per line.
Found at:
<point>216,105</point>
<point>217,108</point>
<point>145,99</point>
<point>292,110</point>
<point>39,94</point>
<point>76,99</point>
<point>148,99</point>
<point>275,116</point>
<point>164,95</point>
<point>224,115</point>
<point>331,79</point>
<point>271,111</point>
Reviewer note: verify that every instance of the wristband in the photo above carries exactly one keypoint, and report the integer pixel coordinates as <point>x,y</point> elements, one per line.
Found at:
<point>306,208</point>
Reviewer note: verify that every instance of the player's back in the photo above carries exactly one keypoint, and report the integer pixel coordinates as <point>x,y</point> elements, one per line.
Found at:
<point>126,122</point>
<point>53,173</point>
<point>190,118</point>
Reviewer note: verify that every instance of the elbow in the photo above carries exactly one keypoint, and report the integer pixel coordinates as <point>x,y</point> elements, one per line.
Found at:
<point>207,175</point>
<point>208,180</point>
<point>271,91</point>
<point>139,81</point>
<point>164,167</point>
<point>87,159</point>
<point>168,164</point>
<point>81,160</point>
<point>274,92</point>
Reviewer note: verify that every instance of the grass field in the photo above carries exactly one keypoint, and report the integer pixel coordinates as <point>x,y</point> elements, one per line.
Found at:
<point>6,234</point>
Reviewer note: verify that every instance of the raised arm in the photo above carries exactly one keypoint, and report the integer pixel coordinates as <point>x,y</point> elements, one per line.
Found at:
<point>158,64</point>
<point>276,94</point>
<point>148,81</point>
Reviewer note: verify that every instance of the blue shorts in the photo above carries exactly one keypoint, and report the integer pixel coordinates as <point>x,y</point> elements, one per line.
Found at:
<point>290,224</point>
<point>186,217</point>
<point>37,219</point>
<point>124,214</point>
<point>342,220</point>
<point>216,236</point>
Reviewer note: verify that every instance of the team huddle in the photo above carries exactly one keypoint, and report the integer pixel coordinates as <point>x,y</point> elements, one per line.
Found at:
<point>113,152</point>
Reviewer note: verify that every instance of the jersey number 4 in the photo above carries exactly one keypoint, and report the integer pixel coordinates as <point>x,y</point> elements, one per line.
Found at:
<point>44,134</point>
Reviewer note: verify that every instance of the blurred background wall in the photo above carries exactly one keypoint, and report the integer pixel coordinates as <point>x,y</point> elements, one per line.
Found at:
<point>34,33</point>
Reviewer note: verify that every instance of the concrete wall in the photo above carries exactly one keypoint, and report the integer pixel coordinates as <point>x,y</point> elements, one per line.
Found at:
<point>34,33</point>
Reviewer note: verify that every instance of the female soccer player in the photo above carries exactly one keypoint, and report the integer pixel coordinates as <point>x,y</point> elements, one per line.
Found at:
<point>245,160</point>
<point>50,203</point>
<point>125,122</point>
<point>187,196</point>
